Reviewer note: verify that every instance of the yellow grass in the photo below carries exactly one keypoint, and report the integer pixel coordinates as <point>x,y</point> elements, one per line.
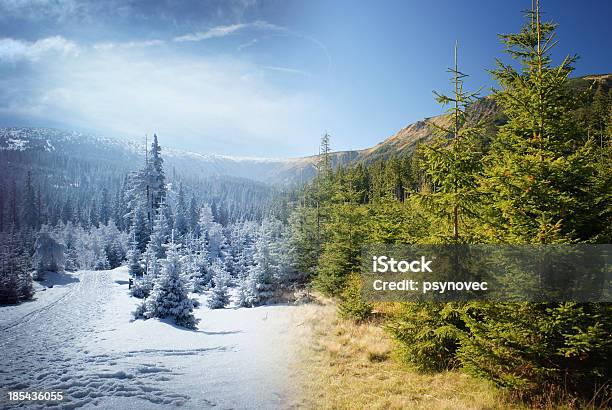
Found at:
<point>343,365</point>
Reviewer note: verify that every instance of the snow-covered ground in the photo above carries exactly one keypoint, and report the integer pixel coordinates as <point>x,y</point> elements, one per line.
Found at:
<point>79,337</point>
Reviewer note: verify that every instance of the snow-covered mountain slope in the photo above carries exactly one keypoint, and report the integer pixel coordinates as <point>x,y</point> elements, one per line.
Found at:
<point>124,153</point>
<point>128,154</point>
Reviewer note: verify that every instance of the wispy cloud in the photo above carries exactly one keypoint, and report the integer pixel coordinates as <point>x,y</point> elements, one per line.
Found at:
<point>288,70</point>
<point>40,9</point>
<point>222,31</point>
<point>248,44</point>
<point>13,50</point>
<point>129,45</point>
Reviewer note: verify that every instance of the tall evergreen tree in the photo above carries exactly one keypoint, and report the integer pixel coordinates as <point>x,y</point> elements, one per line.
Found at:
<point>321,187</point>
<point>13,208</point>
<point>453,160</point>
<point>341,254</point>
<point>158,180</point>
<point>139,229</point>
<point>539,172</point>
<point>538,181</point>
<point>302,239</point>
<point>180,214</point>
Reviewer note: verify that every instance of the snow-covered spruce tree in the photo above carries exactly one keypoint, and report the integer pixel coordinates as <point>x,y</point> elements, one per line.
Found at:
<point>93,215</point>
<point>180,215</point>
<point>8,273</point>
<point>72,256</point>
<point>235,239</point>
<point>116,251</point>
<point>199,253</point>
<point>259,285</point>
<point>200,269</point>
<point>205,220</point>
<point>169,297</point>
<point>146,189</point>
<point>169,213</point>
<point>159,235</point>
<point>220,296</point>
<point>217,243</point>
<point>154,267</point>
<point>241,248</point>
<point>113,244</point>
<point>25,290</point>
<point>139,229</point>
<point>134,268</point>
<point>142,287</point>
<point>286,274</point>
<point>157,179</point>
<point>86,245</point>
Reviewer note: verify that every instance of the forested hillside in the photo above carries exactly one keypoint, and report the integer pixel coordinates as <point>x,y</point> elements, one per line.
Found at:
<point>530,164</point>
<point>100,209</point>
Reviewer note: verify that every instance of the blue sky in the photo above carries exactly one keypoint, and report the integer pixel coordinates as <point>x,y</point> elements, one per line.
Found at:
<point>259,78</point>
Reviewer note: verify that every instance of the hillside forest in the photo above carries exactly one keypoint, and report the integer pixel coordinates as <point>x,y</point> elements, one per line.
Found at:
<point>535,167</point>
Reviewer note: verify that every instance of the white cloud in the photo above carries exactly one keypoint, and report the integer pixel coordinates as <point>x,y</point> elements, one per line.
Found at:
<point>129,45</point>
<point>204,102</point>
<point>220,105</point>
<point>222,31</point>
<point>288,70</point>
<point>15,50</point>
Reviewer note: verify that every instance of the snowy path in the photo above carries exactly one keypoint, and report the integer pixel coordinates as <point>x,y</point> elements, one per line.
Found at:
<point>79,338</point>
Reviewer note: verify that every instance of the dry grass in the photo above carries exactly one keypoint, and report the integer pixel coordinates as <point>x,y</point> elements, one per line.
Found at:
<point>342,365</point>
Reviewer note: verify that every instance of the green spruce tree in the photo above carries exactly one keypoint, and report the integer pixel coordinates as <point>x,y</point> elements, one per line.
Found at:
<point>539,184</point>
<point>539,170</point>
<point>453,161</point>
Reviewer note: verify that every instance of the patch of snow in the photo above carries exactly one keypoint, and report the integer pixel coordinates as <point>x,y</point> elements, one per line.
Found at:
<point>79,337</point>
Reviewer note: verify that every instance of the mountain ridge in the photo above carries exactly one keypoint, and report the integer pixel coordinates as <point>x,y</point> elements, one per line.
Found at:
<point>270,170</point>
